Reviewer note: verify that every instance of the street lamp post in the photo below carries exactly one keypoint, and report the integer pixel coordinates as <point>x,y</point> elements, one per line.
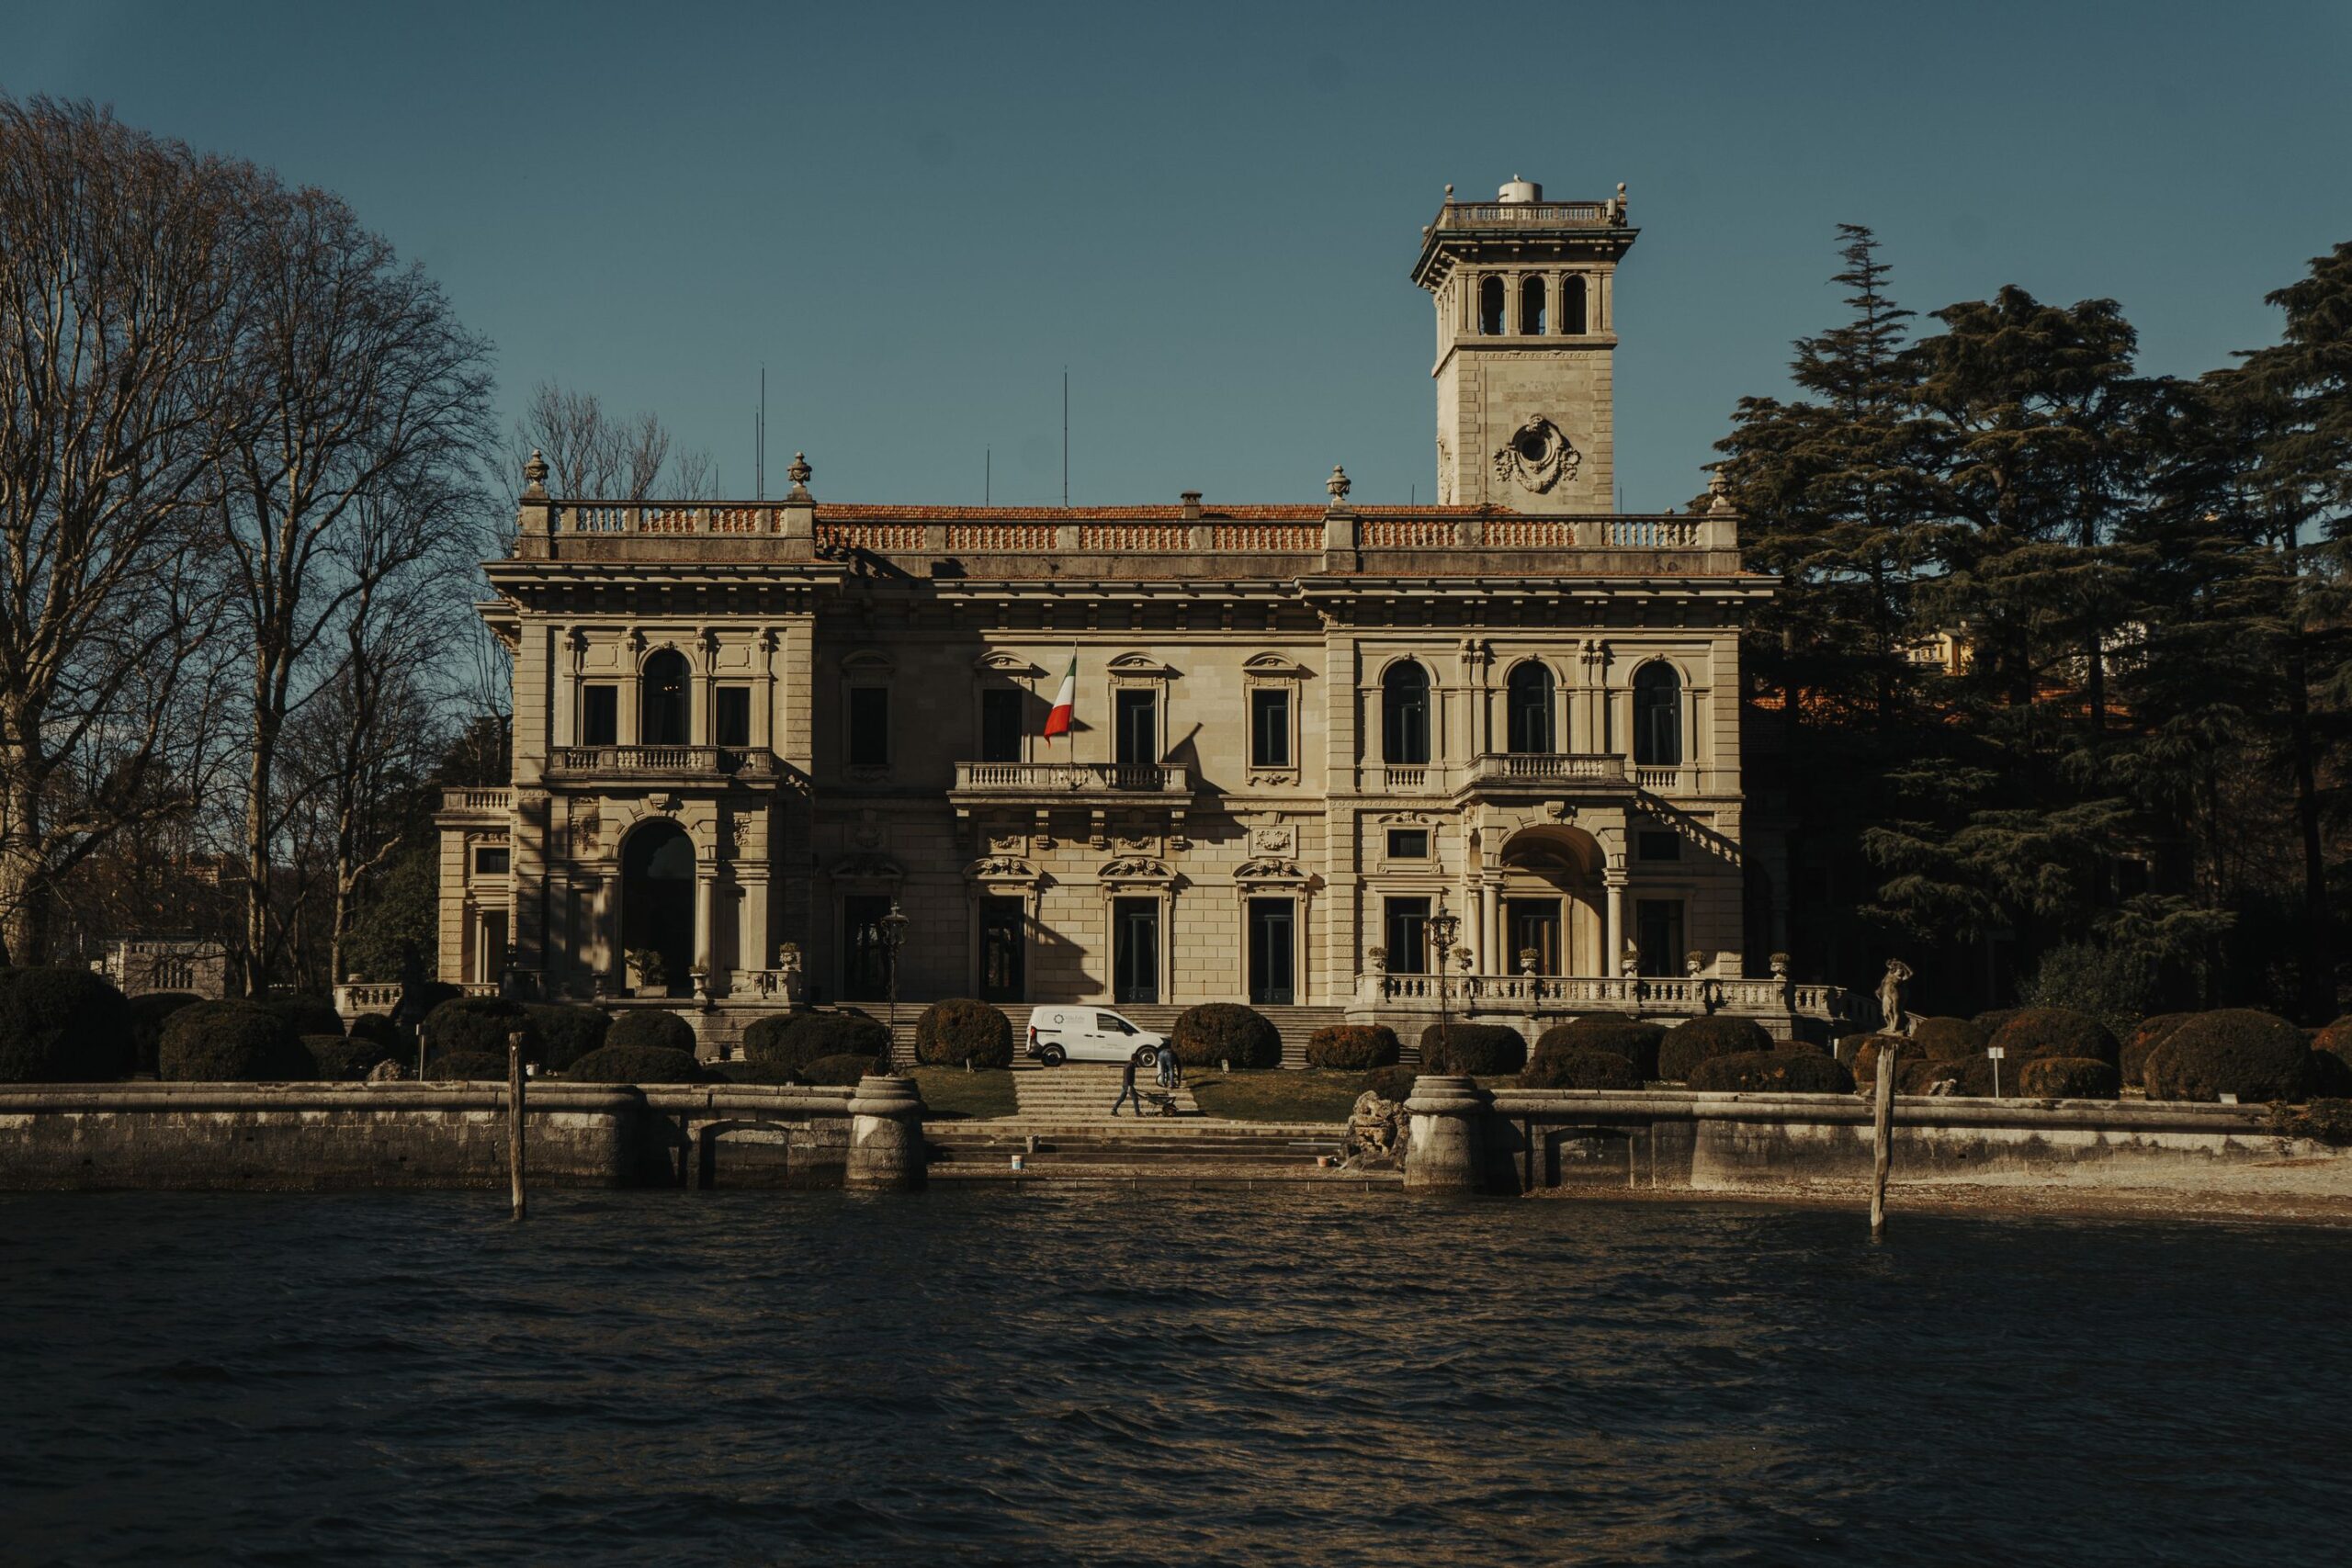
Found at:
<point>1444,925</point>
<point>893,931</point>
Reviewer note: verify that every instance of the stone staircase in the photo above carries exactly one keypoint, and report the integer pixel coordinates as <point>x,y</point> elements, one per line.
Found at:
<point>1078,1093</point>
<point>1295,1022</point>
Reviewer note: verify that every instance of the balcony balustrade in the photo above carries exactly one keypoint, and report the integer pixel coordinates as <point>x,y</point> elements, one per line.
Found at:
<point>1055,780</point>
<point>682,764</point>
<point>1652,994</point>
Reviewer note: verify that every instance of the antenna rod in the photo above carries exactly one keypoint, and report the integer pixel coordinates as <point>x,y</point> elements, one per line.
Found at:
<point>1065,438</point>
<point>760,461</point>
<point>987,474</point>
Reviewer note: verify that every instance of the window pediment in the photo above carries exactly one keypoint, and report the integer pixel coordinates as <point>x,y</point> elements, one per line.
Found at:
<point>1141,667</point>
<point>1274,667</point>
<point>1010,666</point>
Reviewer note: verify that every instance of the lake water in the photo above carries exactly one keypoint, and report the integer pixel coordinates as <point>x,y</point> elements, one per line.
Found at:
<point>1082,1375</point>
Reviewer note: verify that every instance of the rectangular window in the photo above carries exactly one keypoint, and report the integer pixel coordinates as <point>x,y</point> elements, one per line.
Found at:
<point>1136,716</point>
<point>1660,846</point>
<point>600,710</point>
<point>1405,931</point>
<point>490,862</point>
<point>1408,843</point>
<point>1134,951</point>
<point>870,726</point>
<point>1270,726</point>
<point>1001,725</point>
<point>1272,966</point>
<point>731,717</point>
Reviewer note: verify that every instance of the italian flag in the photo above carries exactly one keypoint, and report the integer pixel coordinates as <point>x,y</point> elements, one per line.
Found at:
<point>1065,701</point>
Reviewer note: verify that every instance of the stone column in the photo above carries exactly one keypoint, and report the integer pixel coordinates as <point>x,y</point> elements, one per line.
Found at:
<point>1443,1153</point>
<point>885,1143</point>
<point>706,914</point>
<point>1612,935</point>
<point>752,938</point>
<point>1492,957</point>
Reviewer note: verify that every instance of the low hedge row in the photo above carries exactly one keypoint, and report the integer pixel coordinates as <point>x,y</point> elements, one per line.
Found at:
<point>567,1031</point>
<point>1481,1050</point>
<point>480,1026</point>
<point>1226,1031</point>
<point>619,1062</point>
<point>1637,1043</point>
<point>1689,1043</point>
<point>1558,1065</point>
<point>2069,1078</point>
<point>242,1041</point>
<point>961,1031</point>
<point>2254,1055</point>
<point>781,1047</point>
<point>1773,1072</point>
<point>649,1029</point>
<point>1353,1047</point>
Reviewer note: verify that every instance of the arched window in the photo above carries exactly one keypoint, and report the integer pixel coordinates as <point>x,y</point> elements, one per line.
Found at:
<point>1531,305</point>
<point>1573,313</point>
<point>1490,306</point>
<point>1529,697</point>
<point>661,700</point>
<point>1405,714</point>
<point>1657,715</point>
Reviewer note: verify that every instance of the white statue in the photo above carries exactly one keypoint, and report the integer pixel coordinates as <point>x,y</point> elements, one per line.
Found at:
<point>1890,999</point>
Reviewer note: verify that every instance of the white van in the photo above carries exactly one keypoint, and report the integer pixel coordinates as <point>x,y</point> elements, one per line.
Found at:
<point>1058,1035</point>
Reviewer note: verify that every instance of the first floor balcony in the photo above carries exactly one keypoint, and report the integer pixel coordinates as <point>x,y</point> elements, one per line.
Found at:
<point>683,767</point>
<point>1047,784</point>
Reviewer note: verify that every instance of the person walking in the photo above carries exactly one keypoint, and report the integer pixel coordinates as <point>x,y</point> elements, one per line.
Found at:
<point>1127,1094</point>
<point>1166,1069</point>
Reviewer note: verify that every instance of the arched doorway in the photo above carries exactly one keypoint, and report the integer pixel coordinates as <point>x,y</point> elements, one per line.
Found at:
<point>661,700</point>
<point>658,901</point>
<point>1550,900</point>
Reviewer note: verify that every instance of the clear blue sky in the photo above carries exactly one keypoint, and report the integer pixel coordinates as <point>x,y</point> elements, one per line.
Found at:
<point>918,214</point>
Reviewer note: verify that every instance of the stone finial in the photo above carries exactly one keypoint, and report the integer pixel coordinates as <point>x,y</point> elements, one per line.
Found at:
<point>1339,485</point>
<point>798,473</point>
<point>1718,493</point>
<point>535,477</point>
<point>1449,191</point>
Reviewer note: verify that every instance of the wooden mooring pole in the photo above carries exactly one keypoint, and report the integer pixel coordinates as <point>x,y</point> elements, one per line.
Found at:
<point>514,1119</point>
<point>1883,1120</point>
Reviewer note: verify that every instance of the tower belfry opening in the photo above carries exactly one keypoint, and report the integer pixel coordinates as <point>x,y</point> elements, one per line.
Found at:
<point>1525,295</point>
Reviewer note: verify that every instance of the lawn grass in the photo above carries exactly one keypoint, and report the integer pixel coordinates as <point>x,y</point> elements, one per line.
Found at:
<point>951,1093</point>
<point>1278,1094</point>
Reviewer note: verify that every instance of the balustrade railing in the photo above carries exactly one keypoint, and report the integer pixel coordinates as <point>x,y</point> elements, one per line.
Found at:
<point>734,761</point>
<point>1668,993</point>
<point>1070,778</point>
<point>471,799</point>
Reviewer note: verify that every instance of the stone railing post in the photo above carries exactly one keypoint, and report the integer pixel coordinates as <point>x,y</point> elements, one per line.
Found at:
<point>886,1147</point>
<point>1443,1153</point>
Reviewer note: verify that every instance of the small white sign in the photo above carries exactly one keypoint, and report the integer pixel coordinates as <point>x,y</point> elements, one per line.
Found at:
<point>1997,1052</point>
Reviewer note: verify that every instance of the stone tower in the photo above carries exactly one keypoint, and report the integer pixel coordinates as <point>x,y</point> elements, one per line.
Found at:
<point>1526,335</point>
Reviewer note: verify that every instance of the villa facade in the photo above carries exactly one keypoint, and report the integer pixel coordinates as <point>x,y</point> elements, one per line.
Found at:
<point>746,732</point>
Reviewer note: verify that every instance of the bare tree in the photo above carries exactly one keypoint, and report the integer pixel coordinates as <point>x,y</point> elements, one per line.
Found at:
<point>117,308</point>
<point>593,453</point>
<point>373,418</point>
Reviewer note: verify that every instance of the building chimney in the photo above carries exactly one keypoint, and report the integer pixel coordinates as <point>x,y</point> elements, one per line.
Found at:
<point>1192,499</point>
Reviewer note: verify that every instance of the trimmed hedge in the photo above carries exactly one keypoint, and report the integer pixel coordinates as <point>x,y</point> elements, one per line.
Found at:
<point>1973,1074</point>
<point>2146,1035</point>
<point>1949,1039</point>
<point>2254,1055</point>
<point>1862,1058</point>
<point>2335,1037</point>
<point>962,1030</point>
<point>1688,1044</point>
<point>1637,1043</point>
<point>147,1015</point>
<point>343,1056</point>
<point>2056,1031</point>
<point>62,1025</point>
<point>1990,1022</point>
<point>2329,1076</point>
<point>471,1066</point>
<point>1390,1083</point>
<point>478,1026</point>
<point>307,1011</point>
<point>231,1043</point>
<point>428,994</point>
<point>620,1063</point>
<point>1773,1072</point>
<point>1579,1066</point>
<point>781,1046</point>
<point>838,1071</point>
<point>1481,1050</point>
<point>1353,1047</point>
<point>567,1031</point>
<point>648,1029</point>
<point>1226,1031</point>
<point>380,1028</point>
<point>2069,1078</point>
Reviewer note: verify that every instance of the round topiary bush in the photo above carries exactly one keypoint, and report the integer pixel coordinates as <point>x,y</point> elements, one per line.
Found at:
<point>781,1046</point>
<point>1863,1062</point>
<point>1577,1066</point>
<point>480,1026</point>
<point>618,1063</point>
<point>231,1043</point>
<point>649,1029</point>
<point>2254,1055</point>
<point>147,1015</point>
<point>1688,1044</point>
<point>838,1071</point>
<point>376,1026</point>
<point>2335,1037</point>
<point>2329,1076</point>
<point>1949,1039</point>
<point>1772,1072</point>
<point>567,1031</point>
<point>343,1056</point>
<point>960,1031</point>
<point>467,1067</point>
<point>2055,1031</point>
<point>1637,1043</point>
<point>307,1011</point>
<point>1481,1050</point>
<point>1353,1047</point>
<point>2145,1036</point>
<point>1226,1031</point>
<point>2068,1077</point>
<point>1990,1022</point>
<point>1390,1083</point>
<point>62,1025</point>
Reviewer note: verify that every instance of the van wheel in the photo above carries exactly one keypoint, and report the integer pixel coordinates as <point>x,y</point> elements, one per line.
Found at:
<point>1052,1056</point>
<point>1147,1054</point>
